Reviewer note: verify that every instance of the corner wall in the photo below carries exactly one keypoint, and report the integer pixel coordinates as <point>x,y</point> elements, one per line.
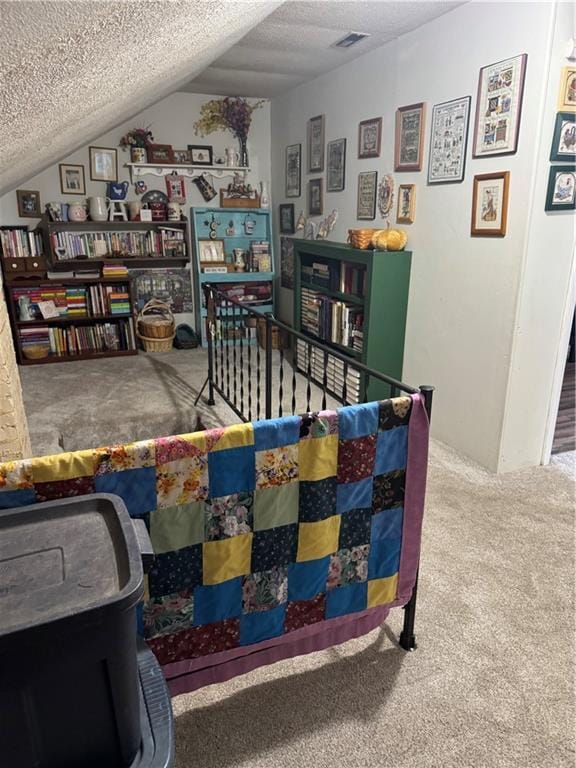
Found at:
<point>464,291</point>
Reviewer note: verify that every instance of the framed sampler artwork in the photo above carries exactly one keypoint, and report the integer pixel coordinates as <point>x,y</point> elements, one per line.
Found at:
<point>286,262</point>
<point>406,204</point>
<point>336,165</point>
<point>490,204</point>
<point>564,140</point>
<point>103,164</point>
<point>316,144</point>
<point>160,153</point>
<point>567,96</point>
<point>448,141</point>
<point>315,203</point>
<point>367,185</point>
<point>200,154</point>
<point>409,144</point>
<point>499,107</point>
<point>286,216</point>
<point>293,170</point>
<point>369,137</point>
<point>561,194</point>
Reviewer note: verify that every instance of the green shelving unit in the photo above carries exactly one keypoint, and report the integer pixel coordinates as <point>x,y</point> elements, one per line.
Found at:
<point>225,221</point>
<point>384,303</point>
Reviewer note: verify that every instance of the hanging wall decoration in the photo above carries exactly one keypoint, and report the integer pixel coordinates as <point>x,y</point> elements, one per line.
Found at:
<point>286,262</point>
<point>490,204</point>
<point>176,188</point>
<point>316,144</point>
<point>409,145</point>
<point>366,205</point>
<point>499,107</point>
<point>567,96</point>
<point>293,170</point>
<point>448,141</point>
<point>386,196</point>
<point>564,141</point>
<point>561,194</point>
<point>286,216</point>
<point>406,204</point>
<point>231,113</point>
<point>315,203</point>
<point>369,137</point>
<point>336,165</point>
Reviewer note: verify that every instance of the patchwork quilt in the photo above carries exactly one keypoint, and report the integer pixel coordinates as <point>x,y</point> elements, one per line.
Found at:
<point>260,530</point>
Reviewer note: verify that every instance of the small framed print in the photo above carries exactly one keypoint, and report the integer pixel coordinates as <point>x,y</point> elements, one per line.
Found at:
<point>336,165</point>
<point>406,204</point>
<point>369,137</point>
<point>490,204</point>
<point>28,203</point>
<point>200,155</point>
<point>561,188</point>
<point>72,179</point>
<point>293,170</point>
<point>448,141</point>
<point>160,153</point>
<point>181,156</point>
<point>499,107</point>
<point>316,144</point>
<point>409,144</point>
<point>567,96</point>
<point>367,185</point>
<point>286,218</point>
<point>564,141</point>
<point>103,164</point>
<point>315,205</point>
<point>210,251</point>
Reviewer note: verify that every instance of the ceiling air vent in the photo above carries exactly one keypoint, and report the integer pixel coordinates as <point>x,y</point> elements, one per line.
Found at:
<point>350,39</point>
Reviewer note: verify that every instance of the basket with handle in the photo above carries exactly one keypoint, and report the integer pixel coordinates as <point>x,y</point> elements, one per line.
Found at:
<point>361,238</point>
<point>155,326</point>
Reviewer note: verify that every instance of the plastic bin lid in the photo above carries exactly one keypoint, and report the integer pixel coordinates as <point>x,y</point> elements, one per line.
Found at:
<point>65,557</point>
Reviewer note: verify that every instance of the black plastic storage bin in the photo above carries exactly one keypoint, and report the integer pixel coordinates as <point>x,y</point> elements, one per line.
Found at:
<point>71,691</point>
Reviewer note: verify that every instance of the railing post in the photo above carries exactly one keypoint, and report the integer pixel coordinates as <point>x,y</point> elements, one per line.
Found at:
<point>268,371</point>
<point>211,322</point>
<point>407,637</point>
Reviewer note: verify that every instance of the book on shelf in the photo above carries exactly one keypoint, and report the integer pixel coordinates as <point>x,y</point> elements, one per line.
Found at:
<point>76,340</point>
<point>114,270</point>
<point>96,245</point>
<point>352,279</point>
<point>340,377</point>
<point>331,320</point>
<point>260,259</point>
<point>18,242</point>
<point>76,301</point>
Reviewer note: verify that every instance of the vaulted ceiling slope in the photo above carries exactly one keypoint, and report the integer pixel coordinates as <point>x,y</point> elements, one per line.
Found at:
<point>70,70</point>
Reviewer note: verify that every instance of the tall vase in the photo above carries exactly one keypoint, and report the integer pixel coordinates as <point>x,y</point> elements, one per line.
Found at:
<point>243,153</point>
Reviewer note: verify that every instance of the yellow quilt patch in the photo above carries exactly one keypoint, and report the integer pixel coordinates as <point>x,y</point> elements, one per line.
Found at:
<point>316,540</point>
<point>318,458</point>
<point>382,591</point>
<point>237,436</point>
<point>63,466</point>
<point>227,559</point>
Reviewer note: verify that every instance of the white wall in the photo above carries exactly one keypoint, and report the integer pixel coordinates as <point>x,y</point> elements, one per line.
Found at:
<point>171,122</point>
<point>464,291</point>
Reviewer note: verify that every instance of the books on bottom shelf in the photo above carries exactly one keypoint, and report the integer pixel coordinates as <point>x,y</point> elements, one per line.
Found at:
<point>76,340</point>
<point>335,371</point>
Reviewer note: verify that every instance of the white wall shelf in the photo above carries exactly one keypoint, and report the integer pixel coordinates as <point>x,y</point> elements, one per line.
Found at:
<point>165,169</point>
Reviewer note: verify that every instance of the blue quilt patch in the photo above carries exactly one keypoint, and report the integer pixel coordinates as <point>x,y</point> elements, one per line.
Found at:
<point>348,599</point>
<point>137,487</point>
<point>358,420</point>
<point>391,450</point>
<point>232,470</point>
<point>218,602</point>
<point>306,580</point>
<point>262,625</point>
<point>276,432</point>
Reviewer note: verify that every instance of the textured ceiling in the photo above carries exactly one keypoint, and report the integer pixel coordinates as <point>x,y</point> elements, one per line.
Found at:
<point>71,70</point>
<point>292,45</point>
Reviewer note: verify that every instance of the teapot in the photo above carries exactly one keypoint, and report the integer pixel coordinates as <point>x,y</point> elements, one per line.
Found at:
<point>117,190</point>
<point>232,157</point>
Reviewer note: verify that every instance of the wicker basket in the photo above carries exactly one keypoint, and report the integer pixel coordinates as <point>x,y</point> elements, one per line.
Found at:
<point>36,352</point>
<point>156,327</point>
<point>361,238</point>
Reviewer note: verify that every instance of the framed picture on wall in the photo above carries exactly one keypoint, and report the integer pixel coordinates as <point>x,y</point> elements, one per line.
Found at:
<point>490,204</point>
<point>336,165</point>
<point>293,170</point>
<point>28,203</point>
<point>316,144</point>
<point>286,215</point>
<point>567,96</point>
<point>286,262</point>
<point>499,107</point>
<point>367,185</point>
<point>561,194</point>
<point>406,204</point>
<point>369,137</point>
<point>103,164</point>
<point>181,156</point>
<point>72,179</point>
<point>448,141</point>
<point>564,140</point>
<point>409,143</point>
<point>315,203</point>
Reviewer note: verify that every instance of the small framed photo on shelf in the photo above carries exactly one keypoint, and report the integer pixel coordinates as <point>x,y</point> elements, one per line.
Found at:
<point>160,153</point>
<point>567,96</point>
<point>315,205</point>
<point>181,156</point>
<point>561,194</point>
<point>316,144</point>
<point>409,144</point>
<point>103,164</point>
<point>286,211</point>
<point>369,137</point>
<point>564,140</point>
<point>367,184</point>
<point>200,155</point>
<point>336,165</point>
<point>490,204</point>
<point>293,170</point>
<point>72,179</point>
<point>28,203</point>
<point>406,204</point>
<point>211,251</point>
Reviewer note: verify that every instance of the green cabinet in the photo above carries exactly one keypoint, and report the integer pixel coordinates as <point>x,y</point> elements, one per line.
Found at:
<point>356,302</point>
<point>230,229</point>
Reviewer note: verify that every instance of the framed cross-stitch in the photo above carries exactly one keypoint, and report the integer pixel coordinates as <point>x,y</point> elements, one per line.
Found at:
<point>369,137</point>
<point>336,165</point>
<point>490,204</point>
<point>561,194</point>
<point>367,184</point>
<point>567,95</point>
<point>316,144</point>
<point>315,204</point>
<point>286,215</point>
<point>448,141</point>
<point>293,170</point>
<point>564,140</point>
<point>499,107</point>
<point>406,204</point>
<point>409,144</point>
<point>103,164</point>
